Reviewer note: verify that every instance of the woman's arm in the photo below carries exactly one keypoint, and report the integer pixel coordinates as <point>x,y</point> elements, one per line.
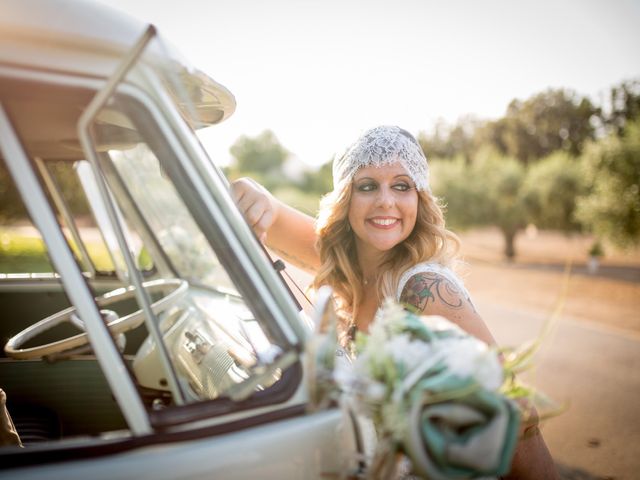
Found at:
<point>434,294</point>
<point>283,229</point>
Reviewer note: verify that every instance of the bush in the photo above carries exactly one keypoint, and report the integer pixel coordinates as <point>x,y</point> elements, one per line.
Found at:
<point>611,209</point>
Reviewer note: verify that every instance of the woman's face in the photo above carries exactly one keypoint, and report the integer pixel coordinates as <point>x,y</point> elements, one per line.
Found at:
<point>383,207</point>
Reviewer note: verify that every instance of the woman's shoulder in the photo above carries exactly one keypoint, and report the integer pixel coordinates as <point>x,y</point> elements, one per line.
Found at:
<point>433,269</point>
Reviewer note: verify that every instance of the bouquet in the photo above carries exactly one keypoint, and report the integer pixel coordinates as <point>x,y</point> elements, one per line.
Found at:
<point>434,393</point>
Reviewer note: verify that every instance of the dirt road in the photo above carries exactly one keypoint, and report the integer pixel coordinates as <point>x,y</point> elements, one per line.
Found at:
<point>535,279</point>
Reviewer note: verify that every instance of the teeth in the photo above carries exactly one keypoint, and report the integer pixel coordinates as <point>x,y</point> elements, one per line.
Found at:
<point>383,221</point>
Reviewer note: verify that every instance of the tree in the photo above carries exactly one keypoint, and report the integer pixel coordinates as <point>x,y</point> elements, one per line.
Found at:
<point>623,106</point>
<point>261,157</point>
<point>502,178</point>
<point>549,121</point>
<point>462,197</point>
<point>451,141</point>
<point>611,209</point>
<point>550,191</point>
<point>486,193</point>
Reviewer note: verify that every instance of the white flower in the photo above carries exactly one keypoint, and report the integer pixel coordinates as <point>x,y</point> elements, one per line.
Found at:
<point>344,373</point>
<point>408,352</point>
<point>470,357</point>
<point>436,323</point>
<point>375,391</point>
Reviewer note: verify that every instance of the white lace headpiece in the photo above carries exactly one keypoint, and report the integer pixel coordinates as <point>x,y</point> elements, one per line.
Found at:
<point>379,147</point>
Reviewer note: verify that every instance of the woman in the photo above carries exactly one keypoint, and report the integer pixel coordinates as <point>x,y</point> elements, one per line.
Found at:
<point>381,233</point>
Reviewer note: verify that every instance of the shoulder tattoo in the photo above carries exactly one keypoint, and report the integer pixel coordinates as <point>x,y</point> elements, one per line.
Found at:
<point>424,289</point>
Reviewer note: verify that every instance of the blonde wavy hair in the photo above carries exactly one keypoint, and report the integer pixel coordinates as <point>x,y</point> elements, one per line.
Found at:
<point>429,241</point>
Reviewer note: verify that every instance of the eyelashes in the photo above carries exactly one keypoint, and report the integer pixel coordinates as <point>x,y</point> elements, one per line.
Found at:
<point>370,187</point>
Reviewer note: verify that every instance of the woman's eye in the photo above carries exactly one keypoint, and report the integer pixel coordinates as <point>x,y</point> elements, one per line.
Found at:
<point>401,187</point>
<point>366,187</point>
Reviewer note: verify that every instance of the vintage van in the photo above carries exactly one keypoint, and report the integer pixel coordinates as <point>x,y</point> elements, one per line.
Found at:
<point>165,342</point>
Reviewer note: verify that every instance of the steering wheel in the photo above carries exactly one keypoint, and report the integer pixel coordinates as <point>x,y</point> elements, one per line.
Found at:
<point>115,323</point>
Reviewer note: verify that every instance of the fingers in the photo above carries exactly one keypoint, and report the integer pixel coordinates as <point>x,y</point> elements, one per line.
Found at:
<point>242,187</point>
<point>259,216</point>
<point>256,205</point>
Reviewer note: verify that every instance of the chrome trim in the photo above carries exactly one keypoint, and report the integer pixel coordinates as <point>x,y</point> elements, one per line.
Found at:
<point>209,185</point>
<point>89,184</point>
<point>56,196</point>
<point>84,125</point>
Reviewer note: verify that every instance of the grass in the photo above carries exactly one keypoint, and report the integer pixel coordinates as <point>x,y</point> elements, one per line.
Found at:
<point>21,253</point>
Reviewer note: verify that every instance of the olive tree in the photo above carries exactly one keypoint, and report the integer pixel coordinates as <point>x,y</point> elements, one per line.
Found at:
<point>550,190</point>
<point>488,192</point>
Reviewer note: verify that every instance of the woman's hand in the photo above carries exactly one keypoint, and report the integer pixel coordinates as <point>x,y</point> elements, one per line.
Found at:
<point>259,207</point>
<point>291,233</point>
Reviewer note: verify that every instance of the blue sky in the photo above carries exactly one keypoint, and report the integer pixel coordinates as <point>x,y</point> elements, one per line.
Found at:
<point>318,72</point>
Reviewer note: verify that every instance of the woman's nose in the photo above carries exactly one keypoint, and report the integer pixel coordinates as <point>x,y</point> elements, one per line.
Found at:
<point>385,198</point>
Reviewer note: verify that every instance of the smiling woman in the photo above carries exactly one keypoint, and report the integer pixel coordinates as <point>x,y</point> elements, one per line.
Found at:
<point>380,234</point>
<point>380,220</point>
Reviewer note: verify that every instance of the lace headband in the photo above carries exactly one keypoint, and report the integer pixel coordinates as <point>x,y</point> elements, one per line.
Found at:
<point>379,147</point>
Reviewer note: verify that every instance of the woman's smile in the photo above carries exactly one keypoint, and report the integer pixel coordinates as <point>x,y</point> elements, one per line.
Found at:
<point>384,223</point>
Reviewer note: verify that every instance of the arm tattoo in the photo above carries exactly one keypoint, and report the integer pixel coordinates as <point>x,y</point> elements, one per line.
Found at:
<point>292,259</point>
<point>424,289</point>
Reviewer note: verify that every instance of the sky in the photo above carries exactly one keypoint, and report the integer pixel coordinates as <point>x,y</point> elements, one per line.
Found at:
<point>319,72</point>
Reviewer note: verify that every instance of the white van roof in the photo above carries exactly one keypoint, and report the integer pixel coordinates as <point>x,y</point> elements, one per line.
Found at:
<point>83,38</point>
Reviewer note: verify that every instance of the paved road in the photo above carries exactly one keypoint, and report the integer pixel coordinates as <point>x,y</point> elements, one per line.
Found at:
<point>597,371</point>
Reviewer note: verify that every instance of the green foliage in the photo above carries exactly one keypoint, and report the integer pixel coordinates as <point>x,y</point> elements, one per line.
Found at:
<point>550,191</point>
<point>596,249</point>
<point>530,130</point>
<point>452,182</point>
<point>65,176</point>
<point>261,158</point>
<point>623,106</point>
<point>611,209</point>
<point>451,141</point>
<point>503,177</point>
<point>488,192</point>
<point>549,121</point>
<point>11,206</point>
<point>298,199</point>
<point>22,253</point>
<point>319,181</point>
